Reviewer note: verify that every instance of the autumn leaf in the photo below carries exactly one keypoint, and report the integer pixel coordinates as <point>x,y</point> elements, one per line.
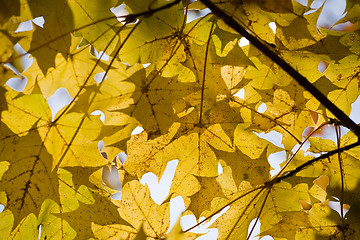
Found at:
<point>137,207</point>
<point>209,189</point>
<point>81,219</point>
<point>46,52</point>
<point>152,101</point>
<point>72,72</point>
<point>183,74</point>
<point>29,181</point>
<point>245,168</point>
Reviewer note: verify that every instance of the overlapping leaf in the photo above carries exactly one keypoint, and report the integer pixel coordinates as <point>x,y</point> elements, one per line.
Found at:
<point>180,80</point>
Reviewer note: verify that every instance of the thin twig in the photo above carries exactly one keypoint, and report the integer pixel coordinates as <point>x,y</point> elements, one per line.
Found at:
<point>261,188</point>
<point>308,163</point>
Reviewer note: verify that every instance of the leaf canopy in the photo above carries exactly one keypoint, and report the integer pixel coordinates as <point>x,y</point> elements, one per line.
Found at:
<point>201,96</point>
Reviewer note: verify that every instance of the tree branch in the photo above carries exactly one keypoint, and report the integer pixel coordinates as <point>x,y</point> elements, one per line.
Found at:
<point>345,120</point>
<point>132,17</point>
<point>308,163</point>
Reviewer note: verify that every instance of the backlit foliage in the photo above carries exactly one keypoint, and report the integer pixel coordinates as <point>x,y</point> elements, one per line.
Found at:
<point>178,78</point>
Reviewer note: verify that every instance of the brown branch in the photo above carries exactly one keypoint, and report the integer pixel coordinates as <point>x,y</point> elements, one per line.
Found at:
<point>132,17</point>
<point>308,163</point>
<point>345,120</point>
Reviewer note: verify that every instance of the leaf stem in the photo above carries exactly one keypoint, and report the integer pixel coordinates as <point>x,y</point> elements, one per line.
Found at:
<point>302,144</point>
<point>204,73</point>
<point>261,188</point>
<point>338,137</point>
<point>257,219</point>
<point>244,211</point>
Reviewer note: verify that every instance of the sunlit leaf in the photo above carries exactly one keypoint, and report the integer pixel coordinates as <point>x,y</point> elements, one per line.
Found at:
<point>177,82</point>
<point>137,208</point>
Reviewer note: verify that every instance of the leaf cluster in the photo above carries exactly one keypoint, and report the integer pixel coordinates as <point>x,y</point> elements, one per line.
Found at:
<point>181,80</point>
